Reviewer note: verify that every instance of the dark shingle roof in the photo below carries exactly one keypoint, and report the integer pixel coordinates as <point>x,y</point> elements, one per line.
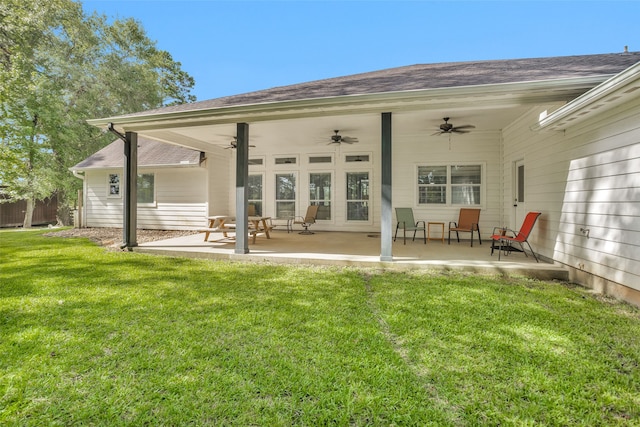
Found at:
<point>429,76</point>
<point>150,153</point>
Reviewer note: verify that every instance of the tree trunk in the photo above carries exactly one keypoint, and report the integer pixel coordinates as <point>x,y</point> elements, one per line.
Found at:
<point>64,215</point>
<point>28,213</point>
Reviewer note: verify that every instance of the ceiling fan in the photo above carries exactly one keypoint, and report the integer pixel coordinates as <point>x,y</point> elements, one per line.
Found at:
<point>447,127</point>
<point>338,139</point>
<point>234,144</point>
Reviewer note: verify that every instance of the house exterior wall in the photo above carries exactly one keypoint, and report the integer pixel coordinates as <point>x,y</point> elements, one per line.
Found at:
<point>412,150</point>
<point>409,151</point>
<point>338,167</point>
<point>585,181</point>
<point>180,200</point>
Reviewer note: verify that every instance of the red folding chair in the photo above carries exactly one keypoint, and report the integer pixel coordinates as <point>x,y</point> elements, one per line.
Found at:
<point>504,237</point>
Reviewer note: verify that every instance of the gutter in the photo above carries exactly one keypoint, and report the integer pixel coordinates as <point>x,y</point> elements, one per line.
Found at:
<point>600,92</point>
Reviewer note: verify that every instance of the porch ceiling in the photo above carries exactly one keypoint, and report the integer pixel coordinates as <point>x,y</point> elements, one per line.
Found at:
<point>282,134</point>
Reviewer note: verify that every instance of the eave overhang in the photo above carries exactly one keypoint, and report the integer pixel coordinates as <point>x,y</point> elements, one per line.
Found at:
<point>112,167</point>
<point>479,96</point>
<point>614,91</point>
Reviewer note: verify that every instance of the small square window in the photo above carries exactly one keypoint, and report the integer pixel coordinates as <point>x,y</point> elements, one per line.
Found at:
<point>114,185</point>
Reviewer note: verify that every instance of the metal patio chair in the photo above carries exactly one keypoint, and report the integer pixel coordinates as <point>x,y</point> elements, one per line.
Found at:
<point>468,220</point>
<point>407,222</point>
<point>504,237</point>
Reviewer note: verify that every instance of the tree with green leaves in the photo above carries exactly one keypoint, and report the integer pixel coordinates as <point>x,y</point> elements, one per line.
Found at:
<point>58,68</point>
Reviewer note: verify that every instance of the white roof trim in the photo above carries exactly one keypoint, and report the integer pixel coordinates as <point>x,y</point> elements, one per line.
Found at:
<point>617,88</point>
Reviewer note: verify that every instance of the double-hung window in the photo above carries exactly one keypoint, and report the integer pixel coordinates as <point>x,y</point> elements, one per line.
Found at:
<point>450,185</point>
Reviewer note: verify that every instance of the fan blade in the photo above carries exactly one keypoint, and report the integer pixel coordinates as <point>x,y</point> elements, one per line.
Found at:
<point>349,140</point>
<point>437,133</point>
<point>233,147</point>
<point>456,130</point>
<point>465,127</point>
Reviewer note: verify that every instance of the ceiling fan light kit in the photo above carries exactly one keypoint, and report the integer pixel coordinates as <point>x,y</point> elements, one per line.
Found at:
<point>336,138</point>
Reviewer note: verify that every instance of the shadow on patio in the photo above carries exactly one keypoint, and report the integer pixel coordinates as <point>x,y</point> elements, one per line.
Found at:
<point>357,249</point>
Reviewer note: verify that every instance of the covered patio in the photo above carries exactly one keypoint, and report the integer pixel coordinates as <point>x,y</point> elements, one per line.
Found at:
<point>358,250</point>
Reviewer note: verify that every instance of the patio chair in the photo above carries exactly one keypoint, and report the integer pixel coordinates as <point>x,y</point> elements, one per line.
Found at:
<point>406,222</point>
<point>468,220</point>
<point>504,237</point>
<point>308,219</point>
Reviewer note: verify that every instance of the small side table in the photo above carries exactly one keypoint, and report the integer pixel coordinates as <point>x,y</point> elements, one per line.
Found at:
<point>441,224</point>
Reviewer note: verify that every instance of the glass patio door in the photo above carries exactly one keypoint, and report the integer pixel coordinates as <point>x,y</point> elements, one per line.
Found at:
<point>320,194</point>
<point>285,195</point>
<point>357,196</point>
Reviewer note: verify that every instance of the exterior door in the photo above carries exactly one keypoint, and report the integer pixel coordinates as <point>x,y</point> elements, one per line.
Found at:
<point>519,198</point>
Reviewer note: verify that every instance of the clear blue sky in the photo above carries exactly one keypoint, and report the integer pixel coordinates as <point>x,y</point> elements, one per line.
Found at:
<point>233,47</point>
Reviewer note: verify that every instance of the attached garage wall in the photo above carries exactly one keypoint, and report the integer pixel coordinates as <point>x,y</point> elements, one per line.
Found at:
<point>586,182</point>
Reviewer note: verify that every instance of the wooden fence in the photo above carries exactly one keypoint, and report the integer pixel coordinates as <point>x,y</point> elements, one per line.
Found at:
<point>12,214</point>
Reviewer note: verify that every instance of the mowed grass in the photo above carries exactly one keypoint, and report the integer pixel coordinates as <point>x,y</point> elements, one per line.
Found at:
<point>90,337</point>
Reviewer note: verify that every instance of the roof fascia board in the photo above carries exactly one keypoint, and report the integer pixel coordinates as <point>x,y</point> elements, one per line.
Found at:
<point>532,91</point>
<point>607,88</point>
<point>162,166</point>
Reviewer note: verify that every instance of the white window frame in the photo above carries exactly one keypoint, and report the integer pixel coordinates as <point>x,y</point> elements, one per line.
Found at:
<point>295,192</point>
<point>153,203</point>
<point>279,166</point>
<point>449,185</point>
<point>362,161</point>
<point>322,165</point>
<point>369,201</point>
<point>332,193</point>
<point>257,166</point>
<point>262,200</point>
<point>118,185</point>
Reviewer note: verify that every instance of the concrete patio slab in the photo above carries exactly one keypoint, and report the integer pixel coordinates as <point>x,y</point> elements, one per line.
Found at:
<point>358,250</point>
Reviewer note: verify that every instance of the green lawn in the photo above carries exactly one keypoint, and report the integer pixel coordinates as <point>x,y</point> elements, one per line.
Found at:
<point>90,337</point>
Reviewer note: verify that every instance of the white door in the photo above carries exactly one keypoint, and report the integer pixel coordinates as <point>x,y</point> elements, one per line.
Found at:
<point>519,198</point>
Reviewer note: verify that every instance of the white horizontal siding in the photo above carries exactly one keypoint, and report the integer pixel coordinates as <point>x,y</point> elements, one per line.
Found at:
<point>180,200</point>
<point>413,150</point>
<point>587,177</point>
